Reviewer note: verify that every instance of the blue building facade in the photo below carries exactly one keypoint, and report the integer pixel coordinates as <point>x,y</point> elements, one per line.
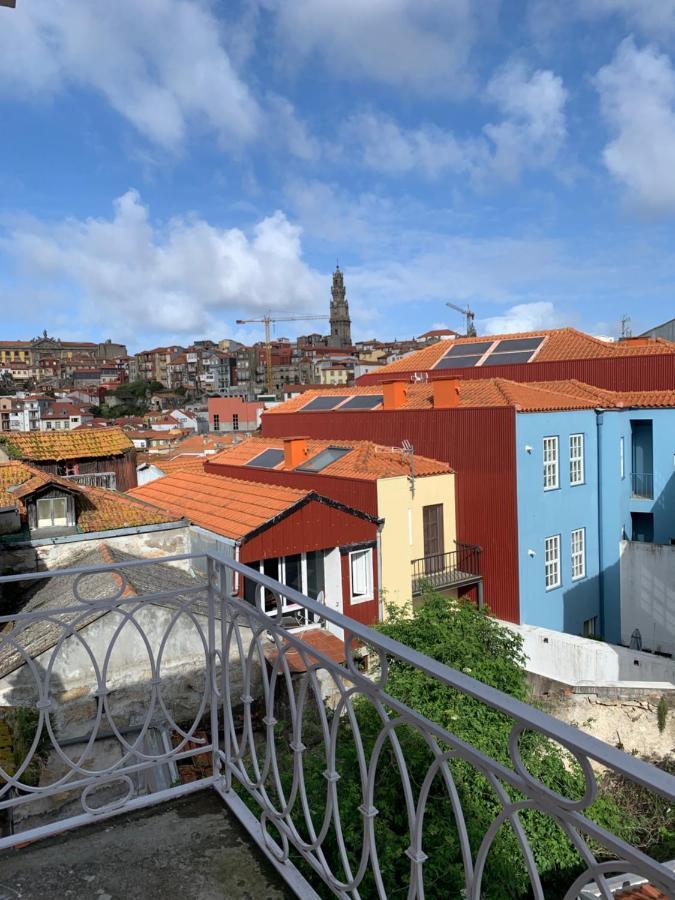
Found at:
<point>586,479</point>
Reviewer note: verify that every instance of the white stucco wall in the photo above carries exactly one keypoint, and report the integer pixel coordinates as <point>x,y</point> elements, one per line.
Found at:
<point>648,594</point>
<point>577,660</point>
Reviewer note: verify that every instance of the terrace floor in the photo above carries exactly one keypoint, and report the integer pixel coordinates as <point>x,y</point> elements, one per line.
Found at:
<point>190,848</point>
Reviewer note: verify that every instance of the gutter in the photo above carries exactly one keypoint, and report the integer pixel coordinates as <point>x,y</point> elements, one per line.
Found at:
<point>380,591</point>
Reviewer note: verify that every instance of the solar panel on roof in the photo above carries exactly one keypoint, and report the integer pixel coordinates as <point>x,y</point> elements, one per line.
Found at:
<point>507,359</point>
<point>477,348</point>
<point>457,362</point>
<point>363,401</point>
<point>268,459</point>
<point>323,403</point>
<point>323,459</point>
<point>513,345</point>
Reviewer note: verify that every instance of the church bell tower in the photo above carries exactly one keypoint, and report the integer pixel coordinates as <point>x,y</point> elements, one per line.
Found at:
<point>340,323</point>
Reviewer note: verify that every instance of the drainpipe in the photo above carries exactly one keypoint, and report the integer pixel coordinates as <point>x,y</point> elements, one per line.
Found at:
<point>599,422</point>
<point>380,526</point>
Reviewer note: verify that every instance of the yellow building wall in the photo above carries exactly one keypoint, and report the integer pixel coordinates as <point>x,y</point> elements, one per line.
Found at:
<point>403,532</point>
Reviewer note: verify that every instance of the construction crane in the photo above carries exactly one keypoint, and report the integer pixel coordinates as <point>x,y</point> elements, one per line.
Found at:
<point>268,321</point>
<point>469,315</point>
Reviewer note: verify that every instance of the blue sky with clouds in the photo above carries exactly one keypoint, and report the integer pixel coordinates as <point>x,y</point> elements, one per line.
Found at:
<point>169,166</point>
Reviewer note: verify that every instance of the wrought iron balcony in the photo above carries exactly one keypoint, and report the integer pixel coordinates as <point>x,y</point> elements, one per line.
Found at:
<point>642,485</point>
<point>195,675</point>
<point>95,479</point>
<point>456,568</point>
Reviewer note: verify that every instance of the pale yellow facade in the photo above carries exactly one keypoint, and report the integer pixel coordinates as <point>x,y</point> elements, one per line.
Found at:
<point>403,533</point>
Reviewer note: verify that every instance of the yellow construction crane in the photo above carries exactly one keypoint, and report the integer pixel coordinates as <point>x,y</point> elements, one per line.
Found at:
<point>268,321</point>
<point>469,315</point>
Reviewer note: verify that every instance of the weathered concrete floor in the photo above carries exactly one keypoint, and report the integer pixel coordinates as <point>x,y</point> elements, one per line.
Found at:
<point>190,849</point>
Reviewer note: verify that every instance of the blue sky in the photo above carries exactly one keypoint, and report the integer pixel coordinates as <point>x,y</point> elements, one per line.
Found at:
<point>169,166</point>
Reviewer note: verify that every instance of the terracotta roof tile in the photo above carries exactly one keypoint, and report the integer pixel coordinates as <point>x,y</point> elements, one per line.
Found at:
<point>89,443</point>
<point>559,344</point>
<point>488,392</point>
<point>98,509</point>
<point>227,506</point>
<point>365,461</point>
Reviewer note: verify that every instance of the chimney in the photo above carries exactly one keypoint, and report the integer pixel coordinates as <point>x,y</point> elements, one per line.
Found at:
<point>446,393</point>
<point>295,451</point>
<point>394,394</point>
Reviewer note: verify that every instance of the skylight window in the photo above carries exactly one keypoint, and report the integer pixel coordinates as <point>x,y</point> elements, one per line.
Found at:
<point>363,401</point>
<point>323,459</point>
<point>319,403</point>
<point>463,356</point>
<point>268,459</point>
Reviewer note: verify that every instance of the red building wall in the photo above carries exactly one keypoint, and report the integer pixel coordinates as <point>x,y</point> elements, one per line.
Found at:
<point>480,446</point>
<point>624,373</point>
<point>226,407</point>
<point>315,526</point>
<point>352,492</point>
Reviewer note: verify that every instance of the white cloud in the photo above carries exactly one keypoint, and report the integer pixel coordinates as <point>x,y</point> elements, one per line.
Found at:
<point>530,135</point>
<point>523,317</point>
<point>161,64</point>
<point>411,44</point>
<point>637,94</point>
<point>175,278</point>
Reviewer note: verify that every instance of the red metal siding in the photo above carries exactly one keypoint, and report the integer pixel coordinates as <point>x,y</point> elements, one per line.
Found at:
<point>352,492</point>
<point>624,373</point>
<point>315,526</point>
<point>480,446</point>
<point>365,612</point>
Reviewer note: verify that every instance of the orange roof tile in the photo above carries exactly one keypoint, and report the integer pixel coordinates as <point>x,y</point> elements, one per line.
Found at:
<point>365,461</point>
<point>559,344</point>
<point>41,446</point>
<point>226,506</point>
<point>98,509</point>
<point>489,392</point>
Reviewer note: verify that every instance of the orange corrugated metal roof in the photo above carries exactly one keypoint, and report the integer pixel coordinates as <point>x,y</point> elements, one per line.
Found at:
<point>98,509</point>
<point>489,392</point>
<point>365,461</point>
<point>226,506</point>
<point>559,344</point>
<point>42,446</point>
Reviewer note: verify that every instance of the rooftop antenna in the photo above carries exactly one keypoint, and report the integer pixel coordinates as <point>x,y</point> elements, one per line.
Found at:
<point>469,315</point>
<point>626,330</point>
<point>408,449</point>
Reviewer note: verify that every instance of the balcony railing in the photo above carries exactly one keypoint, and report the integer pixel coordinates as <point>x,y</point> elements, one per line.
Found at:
<point>642,485</point>
<point>443,570</point>
<point>169,675</point>
<point>96,479</point>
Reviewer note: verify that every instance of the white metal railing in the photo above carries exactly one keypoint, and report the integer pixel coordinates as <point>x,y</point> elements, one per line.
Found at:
<point>109,662</point>
<point>95,479</point>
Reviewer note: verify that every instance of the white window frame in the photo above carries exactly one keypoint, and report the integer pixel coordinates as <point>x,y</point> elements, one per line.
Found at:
<point>368,594</point>
<point>577,461</point>
<point>552,577</point>
<point>551,449</point>
<point>622,457</point>
<point>578,553</point>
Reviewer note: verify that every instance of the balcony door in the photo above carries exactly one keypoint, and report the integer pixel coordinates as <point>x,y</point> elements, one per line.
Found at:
<point>434,539</point>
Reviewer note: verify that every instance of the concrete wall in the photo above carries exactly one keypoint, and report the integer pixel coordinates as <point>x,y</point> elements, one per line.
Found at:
<point>61,553</point>
<point>648,595</point>
<point>544,513</point>
<point>576,661</point>
<point>403,533</point>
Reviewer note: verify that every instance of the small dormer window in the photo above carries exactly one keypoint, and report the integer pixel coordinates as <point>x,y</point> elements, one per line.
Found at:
<point>52,512</point>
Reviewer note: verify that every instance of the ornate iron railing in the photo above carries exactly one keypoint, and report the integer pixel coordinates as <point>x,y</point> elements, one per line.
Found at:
<point>642,485</point>
<point>442,570</point>
<point>95,479</point>
<point>272,711</point>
